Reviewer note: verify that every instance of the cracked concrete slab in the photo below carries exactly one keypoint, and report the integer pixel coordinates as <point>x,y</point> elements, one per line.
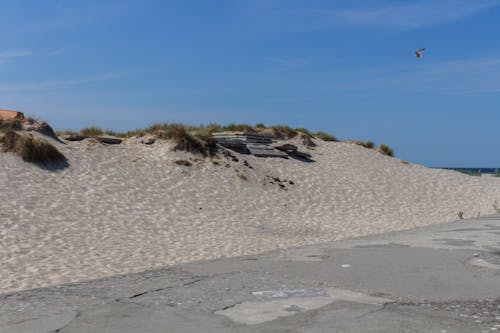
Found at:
<point>442,278</point>
<point>44,324</point>
<point>131,317</point>
<point>272,304</point>
<point>480,262</point>
<point>259,312</point>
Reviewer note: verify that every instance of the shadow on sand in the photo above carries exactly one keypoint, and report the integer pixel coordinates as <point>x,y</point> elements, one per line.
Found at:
<point>54,166</point>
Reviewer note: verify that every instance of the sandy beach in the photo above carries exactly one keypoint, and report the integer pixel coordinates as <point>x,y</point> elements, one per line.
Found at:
<point>128,208</point>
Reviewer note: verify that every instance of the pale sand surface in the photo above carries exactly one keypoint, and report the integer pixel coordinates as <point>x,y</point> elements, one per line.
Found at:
<point>128,208</point>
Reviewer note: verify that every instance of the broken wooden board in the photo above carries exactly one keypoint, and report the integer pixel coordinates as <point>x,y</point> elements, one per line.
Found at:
<point>109,139</point>
<point>242,137</point>
<point>265,151</point>
<point>74,137</point>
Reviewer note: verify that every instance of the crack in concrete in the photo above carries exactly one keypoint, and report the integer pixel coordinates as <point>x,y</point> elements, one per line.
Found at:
<point>195,281</point>
<point>227,307</point>
<point>382,308</point>
<point>149,292</point>
<point>157,290</point>
<point>5,296</point>
<point>66,325</point>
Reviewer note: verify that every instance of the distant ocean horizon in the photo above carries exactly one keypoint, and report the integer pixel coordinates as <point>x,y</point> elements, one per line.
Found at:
<point>472,170</point>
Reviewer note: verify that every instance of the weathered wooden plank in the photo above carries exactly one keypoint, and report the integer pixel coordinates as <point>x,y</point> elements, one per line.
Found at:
<point>241,137</point>
<point>265,151</point>
<point>301,154</point>
<point>109,139</point>
<point>74,137</point>
<point>287,147</point>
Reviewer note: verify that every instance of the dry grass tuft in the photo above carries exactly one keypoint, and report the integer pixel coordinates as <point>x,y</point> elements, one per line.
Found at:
<point>283,132</point>
<point>7,125</point>
<point>366,144</point>
<point>386,150</point>
<point>304,131</point>
<point>91,131</point>
<point>31,149</point>
<point>186,141</point>
<point>325,136</point>
<point>239,128</point>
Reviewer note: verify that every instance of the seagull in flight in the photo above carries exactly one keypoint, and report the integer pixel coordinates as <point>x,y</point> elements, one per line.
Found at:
<point>420,53</point>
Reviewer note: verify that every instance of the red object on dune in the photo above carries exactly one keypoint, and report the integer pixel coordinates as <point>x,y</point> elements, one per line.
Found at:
<point>11,115</point>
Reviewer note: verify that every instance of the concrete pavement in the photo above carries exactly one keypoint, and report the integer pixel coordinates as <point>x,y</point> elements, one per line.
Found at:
<point>442,278</point>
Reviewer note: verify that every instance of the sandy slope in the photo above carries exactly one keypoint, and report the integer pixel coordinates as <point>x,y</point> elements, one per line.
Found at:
<point>127,208</point>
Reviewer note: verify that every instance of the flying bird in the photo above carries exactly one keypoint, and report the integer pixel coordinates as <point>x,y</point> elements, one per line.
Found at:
<point>420,53</point>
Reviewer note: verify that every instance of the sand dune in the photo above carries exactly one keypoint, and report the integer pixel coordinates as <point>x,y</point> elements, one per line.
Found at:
<point>129,207</point>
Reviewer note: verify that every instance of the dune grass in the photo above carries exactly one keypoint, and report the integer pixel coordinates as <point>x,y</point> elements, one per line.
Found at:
<point>163,130</point>
<point>31,149</point>
<point>366,144</point>
<point>7,125</point>
<point>386,150</point>
<point>186,141</point>
<point>325,136</point>
<point>198,139</point>
<point>383,149</point>
<point>283,132</point>
<point>91,131</point>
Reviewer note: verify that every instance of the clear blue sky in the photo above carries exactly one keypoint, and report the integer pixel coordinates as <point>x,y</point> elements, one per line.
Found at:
<point>345,67</point>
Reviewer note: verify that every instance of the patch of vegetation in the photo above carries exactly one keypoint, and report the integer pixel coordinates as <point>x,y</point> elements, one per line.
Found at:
<point>137,133</point>
<point>283,132</point>
<point>165,130</point>
<point>386,150</point>
<point>91,131</point>
<point>7,125</point>
<point>366,144</point>
<point>66,132</point>
<point>186,141</point>
<point>198,139</point>
<point>305,131</point>
<point>460,215</point>
<point>239,128</point>
<point>31,149</point>
<point>325,136</point>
